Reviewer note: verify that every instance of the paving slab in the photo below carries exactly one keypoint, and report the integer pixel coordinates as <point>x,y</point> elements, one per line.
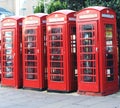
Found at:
<point>24,98</point>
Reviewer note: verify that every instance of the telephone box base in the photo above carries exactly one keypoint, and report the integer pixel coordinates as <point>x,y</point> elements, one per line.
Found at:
<point>97,93</point>
<point>60,91</point>
<point>36,89</point>
<point>10,86</point>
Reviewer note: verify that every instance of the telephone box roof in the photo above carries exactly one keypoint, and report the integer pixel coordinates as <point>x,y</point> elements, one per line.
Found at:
<point>65,11</point>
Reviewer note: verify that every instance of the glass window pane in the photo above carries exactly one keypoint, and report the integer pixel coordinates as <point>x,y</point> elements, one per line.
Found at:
<point>56,37</point>
<point>88,78</point>
<point>56,30</point>
<point>8,45</point>
<point>55,51</point>
<point>8,57</point>
<point>30,38</point>
<point>87,35</point>
<point>56,44</point>
<point>7,51</point>
<point>10,33</point>
<point>30,31</point>
<point>29,51</point>
<point>7,39</point>
<point>30,44</point>
<point>8,63</point>
<point>88,27</point>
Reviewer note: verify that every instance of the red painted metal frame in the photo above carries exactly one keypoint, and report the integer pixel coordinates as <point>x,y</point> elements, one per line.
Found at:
<point>37,23</point>
<point>106,81</point>
<point>61,71</point>
<point>11,25</point>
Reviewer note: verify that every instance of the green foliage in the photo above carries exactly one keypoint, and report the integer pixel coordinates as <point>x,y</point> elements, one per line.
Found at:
<point>56,5</point>
<point>74,4</point>
<point>39,8</point>
<point>79,4</point>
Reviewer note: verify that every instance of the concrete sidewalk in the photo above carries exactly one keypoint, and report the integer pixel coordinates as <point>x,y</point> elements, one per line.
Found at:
<point>19,98</point>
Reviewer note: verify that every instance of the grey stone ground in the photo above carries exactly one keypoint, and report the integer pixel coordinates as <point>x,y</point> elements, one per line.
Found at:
<point>19,98</point>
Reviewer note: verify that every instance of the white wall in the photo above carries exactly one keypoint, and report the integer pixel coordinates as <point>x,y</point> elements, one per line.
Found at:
<point>19,7</point>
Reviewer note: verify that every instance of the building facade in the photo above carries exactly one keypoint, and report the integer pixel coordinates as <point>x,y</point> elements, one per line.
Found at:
<point>19,7</point>
<point>8,5</point>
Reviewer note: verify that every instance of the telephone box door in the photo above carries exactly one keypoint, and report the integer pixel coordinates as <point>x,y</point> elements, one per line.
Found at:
<point>88,57</point>
<point>30,57</point>
<point>56,63</point>
<point>8,57</point>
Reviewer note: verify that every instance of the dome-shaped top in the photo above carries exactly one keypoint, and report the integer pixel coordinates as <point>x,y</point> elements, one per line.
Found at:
<point>5,12</point>
<point>64,11</point>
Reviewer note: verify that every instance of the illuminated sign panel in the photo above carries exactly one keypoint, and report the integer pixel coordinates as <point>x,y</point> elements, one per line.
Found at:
<point>88,16</point>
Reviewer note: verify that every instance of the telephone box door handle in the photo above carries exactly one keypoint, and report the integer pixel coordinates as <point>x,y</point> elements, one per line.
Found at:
<point>13,55</point>
<point>38,51</point>
<point>96,49</point>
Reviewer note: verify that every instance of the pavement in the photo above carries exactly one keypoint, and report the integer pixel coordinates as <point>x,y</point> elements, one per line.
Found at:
<point>24,98</point>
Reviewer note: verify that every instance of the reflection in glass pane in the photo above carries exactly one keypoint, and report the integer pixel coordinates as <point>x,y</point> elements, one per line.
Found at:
<point>110,75</point>
<point>110,63</point>
<point>8,51</point>
<point>87,42</point>
<point>56,57</point>
<point>8,69</point>
<point>7,39</point>
<point>30,44</point>
<point>56,37</point>
<point>56,44</point>
<point>31,76</point>
<point>88,57</point>
<point>30,38</point>
<point>88,78</point>
<point>9,75</point>
<point>109,42</point>
<point>56,64</point>
<point>30,51</point>
<point>56,30</point>
<point>55,51</point>
<point>109,27</point>
<point>30,31</point>
<point>56,78</point>
<point>88,64</point>
<point>8,57</point>
<point>88,71</point>
<point>31,57</point>
<point>88,27</point>
<point>8,63</point>
<point>9,72</point>
<point>30,73</point>
<point>10,33</point>
<point>55,71</point>
<point>31,64</point>
<point>8,45</point>
<point>109,56</point>
<point>87,35</point>
<point>31,70</point>
<point>87,49</point>
<point>110,78</point>
<point>109,48</point>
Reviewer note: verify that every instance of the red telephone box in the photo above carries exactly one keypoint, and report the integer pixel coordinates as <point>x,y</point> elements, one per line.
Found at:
<point>0,54</point>
<point>34,52</point>
<point>61,51</point>
<point>97,51</point>
<point>11,38</point>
